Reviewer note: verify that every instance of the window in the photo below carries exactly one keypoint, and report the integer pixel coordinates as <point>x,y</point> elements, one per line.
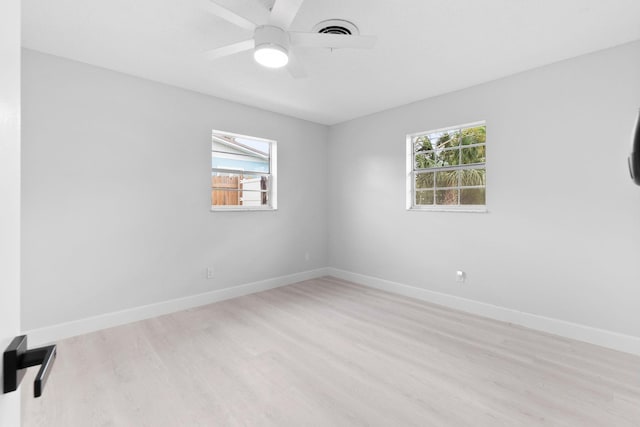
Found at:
<point>243,172</point>
<point>446,169</point>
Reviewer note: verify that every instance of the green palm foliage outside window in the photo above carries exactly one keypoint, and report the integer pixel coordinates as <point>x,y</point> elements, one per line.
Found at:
<point>449,167</point>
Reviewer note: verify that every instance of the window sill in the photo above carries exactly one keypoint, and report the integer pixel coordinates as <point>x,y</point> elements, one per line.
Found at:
<point>242,209</point>
<point>467,209</point>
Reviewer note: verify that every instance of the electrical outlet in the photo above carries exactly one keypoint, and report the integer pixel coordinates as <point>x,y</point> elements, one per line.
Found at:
<point>210,272</point>
<point>461,276</point>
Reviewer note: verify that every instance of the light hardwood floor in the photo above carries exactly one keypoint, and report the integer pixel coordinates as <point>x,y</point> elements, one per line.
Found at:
<point>327,352</point>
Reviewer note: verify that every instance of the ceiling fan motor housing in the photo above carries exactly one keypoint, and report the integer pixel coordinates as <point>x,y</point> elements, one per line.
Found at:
<point>269,35</point>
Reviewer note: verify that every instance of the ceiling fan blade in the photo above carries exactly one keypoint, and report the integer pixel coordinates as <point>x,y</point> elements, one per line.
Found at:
<point>333,41</point>
<point>231,49</point>
<point>283,12</point>
<point>295,67</point>
<point>228,15</point>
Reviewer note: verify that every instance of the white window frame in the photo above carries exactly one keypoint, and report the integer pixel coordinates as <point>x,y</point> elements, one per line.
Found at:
<point>272,190</point>
<point>411,171</point>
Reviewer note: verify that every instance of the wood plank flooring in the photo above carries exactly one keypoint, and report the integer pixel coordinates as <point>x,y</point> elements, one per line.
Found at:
<point>327,352</point>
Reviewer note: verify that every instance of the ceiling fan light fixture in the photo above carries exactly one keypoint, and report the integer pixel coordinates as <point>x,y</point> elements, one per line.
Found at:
<point>272,46</point>
<point>271,56</point>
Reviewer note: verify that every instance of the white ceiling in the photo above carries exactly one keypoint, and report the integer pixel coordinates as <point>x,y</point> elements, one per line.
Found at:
<point>424,48</point>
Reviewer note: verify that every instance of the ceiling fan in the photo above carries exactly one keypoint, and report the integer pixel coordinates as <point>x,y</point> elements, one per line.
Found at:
<point>272,42</point>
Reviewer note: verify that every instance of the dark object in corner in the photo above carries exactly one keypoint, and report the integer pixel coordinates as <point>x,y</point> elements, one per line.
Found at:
<point>17,358</point>
<point>634,157</point>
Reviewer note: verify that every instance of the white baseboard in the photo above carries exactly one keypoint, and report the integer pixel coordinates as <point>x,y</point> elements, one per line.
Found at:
<point>614,340</point>
<point>601,337</point>
<point>61,331</point>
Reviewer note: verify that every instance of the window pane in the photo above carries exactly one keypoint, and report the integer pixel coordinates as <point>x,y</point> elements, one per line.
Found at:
<point>225,180</point>
<point>240,162</point>
<point>224,198</point>
<point>221,197</point>
<point>448,157</point>
<point>424,197</point>
<point>422,143</point>
<point>253,198</point>
<point>440,158</point>
<point>472,196</point>
<point>424,180</point>
<point>471,177</point>
<point>242,168</point>
<point>446,139</point>
<point>425,160</point>
<point>259,146</point>
<point>473,155</point>
<point>239,190</point>
<point>227,143</point>
<point>447,179</point>
<point>475,135</point>
<point>447,197</point>
<point>449,166</point>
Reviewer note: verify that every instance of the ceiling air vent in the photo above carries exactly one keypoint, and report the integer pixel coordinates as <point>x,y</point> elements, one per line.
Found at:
<point>336,26</point>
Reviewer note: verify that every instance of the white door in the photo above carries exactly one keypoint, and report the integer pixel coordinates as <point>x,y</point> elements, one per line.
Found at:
<point>9,194</point>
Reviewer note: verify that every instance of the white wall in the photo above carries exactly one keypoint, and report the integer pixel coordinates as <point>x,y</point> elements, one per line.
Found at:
<point>562,236</point>
<point>116,194</point>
